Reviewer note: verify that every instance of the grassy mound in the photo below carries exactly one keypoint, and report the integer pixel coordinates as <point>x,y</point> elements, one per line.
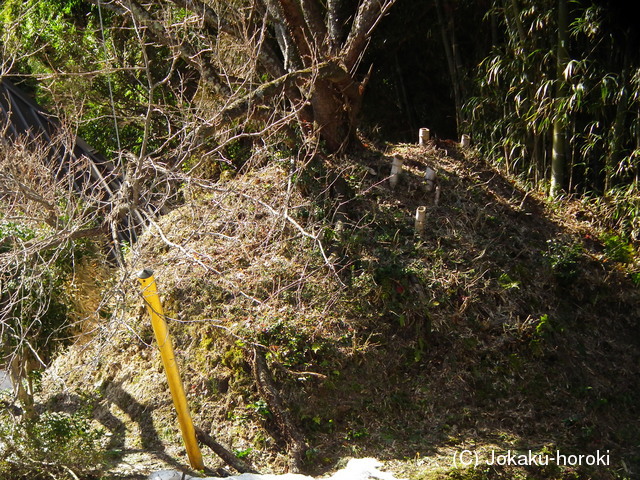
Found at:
<point>509,325</point>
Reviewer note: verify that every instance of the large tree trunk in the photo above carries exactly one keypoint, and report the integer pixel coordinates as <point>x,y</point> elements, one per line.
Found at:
<point>336,103</point>
<point>328,112</point>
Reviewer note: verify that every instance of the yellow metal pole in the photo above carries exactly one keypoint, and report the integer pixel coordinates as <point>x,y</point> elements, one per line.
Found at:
<point>151,298</point>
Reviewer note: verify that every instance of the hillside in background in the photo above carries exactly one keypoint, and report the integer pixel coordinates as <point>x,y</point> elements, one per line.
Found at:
<point>510,325</point>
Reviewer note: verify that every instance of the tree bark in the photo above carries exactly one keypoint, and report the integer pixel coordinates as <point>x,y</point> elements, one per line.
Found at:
<point>318,29</point>
<point>336,102</point>
<point>328,114</point>
<point>18,371</point>
<point>369,14</point>
<point>334,26</point>
<point>294,21</point>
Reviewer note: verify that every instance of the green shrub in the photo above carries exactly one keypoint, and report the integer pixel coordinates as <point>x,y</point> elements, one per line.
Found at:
<point>53,446</point>
<point>617,249</point>
<point>563,259</point>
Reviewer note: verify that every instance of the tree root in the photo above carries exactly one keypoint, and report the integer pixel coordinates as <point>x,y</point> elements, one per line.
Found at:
<point>296,444</point>
<point>228,457</point>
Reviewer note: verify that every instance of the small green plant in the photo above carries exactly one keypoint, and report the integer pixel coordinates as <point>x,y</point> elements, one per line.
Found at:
<point>506,282</point>
<point>473,473</point>
<point>238,151</point>
<point>563,259</point>
<point>10,230</point>
<point>317,423</point>
<point>243,453</point>
<point>261,408</point>
<point>543,329</point>
<point>617,249</point>
<point>544,325</point>
<point>356,434</point>
<point>292,347</point>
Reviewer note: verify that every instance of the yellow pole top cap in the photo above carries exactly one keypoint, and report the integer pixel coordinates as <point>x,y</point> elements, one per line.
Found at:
<point>145,273</point>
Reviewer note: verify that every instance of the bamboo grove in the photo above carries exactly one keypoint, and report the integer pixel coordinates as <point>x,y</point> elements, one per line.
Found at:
<point>557,101</point>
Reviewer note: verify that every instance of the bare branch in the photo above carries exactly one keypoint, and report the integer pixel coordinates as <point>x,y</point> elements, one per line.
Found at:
<point>317,27</point>
<point>223,452</point>
<point>334,25</point>
<point>36,247</point>
<point>159,32</point>
<point>369,15</point>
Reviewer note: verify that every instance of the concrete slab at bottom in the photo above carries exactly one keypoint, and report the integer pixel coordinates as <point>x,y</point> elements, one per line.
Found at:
<point>356,469</point>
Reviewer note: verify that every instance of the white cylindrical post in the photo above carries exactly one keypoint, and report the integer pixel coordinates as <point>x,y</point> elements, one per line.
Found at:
<point>436,197</point>
<point>421,216</point>
<point>465,141</point>
<point>396,170</point>
<point>430,179</point>
<point>423,136</point>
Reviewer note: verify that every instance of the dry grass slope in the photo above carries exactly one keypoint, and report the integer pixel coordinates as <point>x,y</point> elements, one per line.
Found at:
<point>505,327</point>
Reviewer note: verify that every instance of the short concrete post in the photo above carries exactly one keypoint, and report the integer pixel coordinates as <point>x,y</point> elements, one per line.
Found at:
<point>421,216</point>
<point>423,136</point>
<point>436,197</point>
<point>396,170</point>
<point>465,141</point>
